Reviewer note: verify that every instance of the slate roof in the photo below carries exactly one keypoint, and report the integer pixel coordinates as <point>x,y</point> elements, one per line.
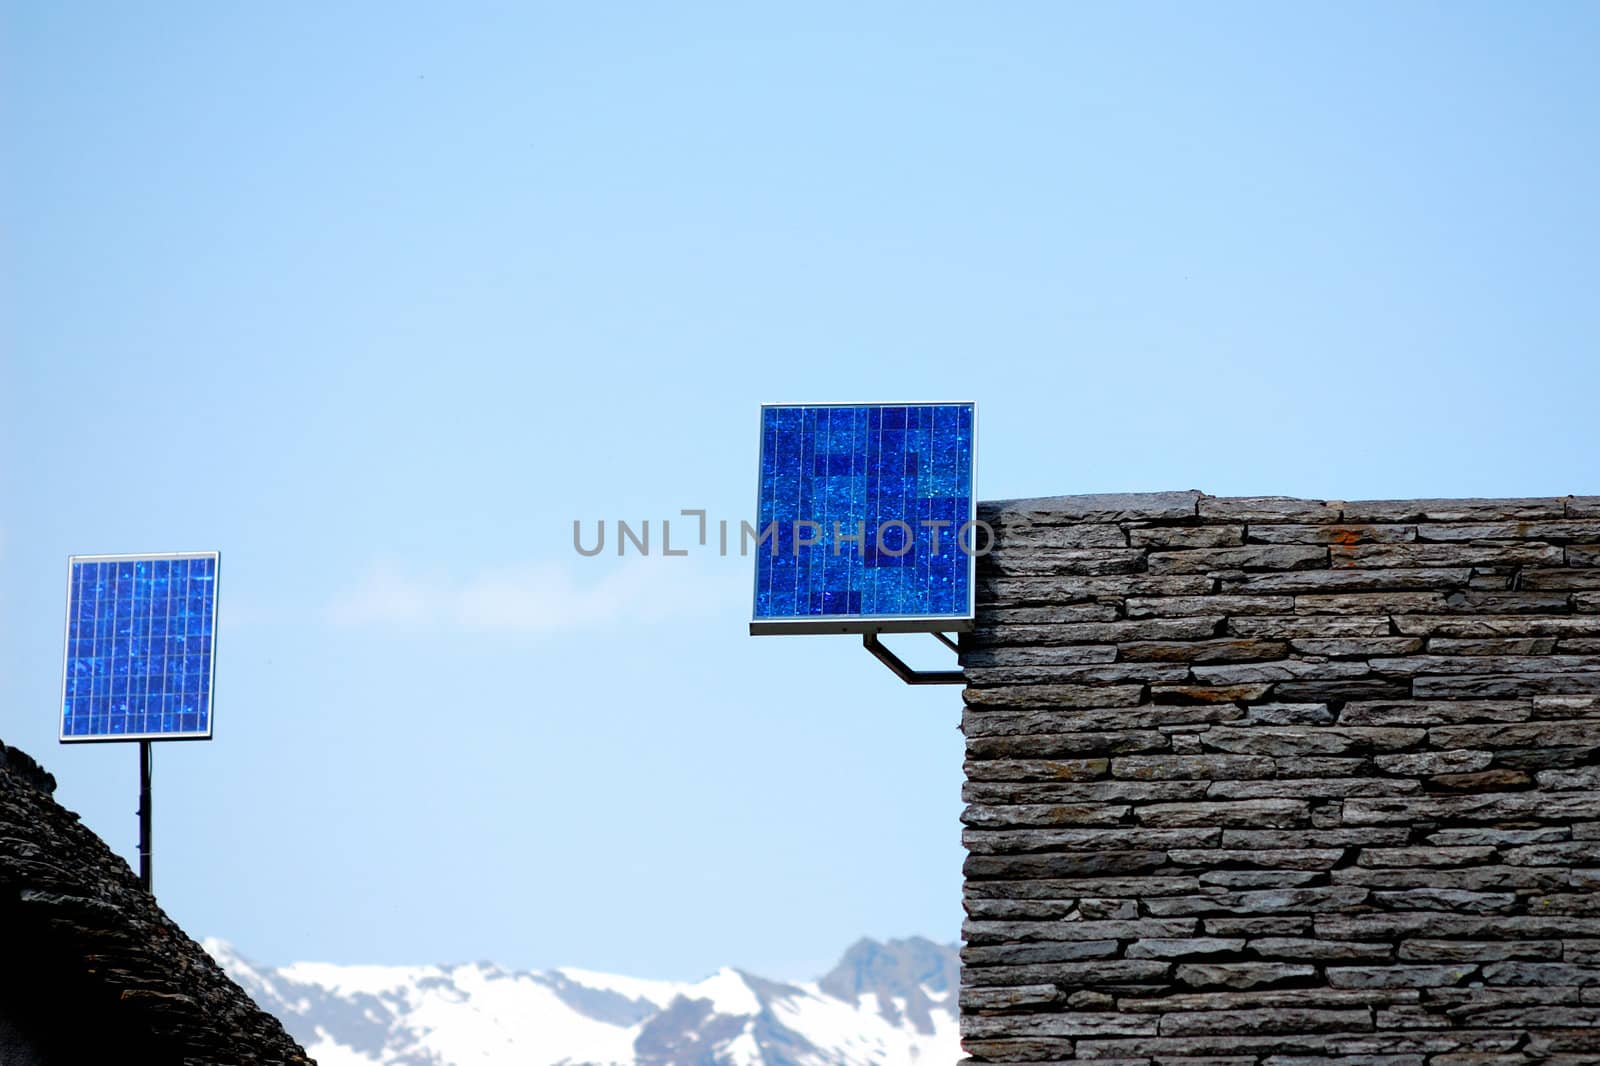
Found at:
<point>93,970</point>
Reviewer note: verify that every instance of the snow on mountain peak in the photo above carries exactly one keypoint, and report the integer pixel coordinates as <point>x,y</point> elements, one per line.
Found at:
<point>883,1005</point>
<point>660,993</point>
<point>727,991</point>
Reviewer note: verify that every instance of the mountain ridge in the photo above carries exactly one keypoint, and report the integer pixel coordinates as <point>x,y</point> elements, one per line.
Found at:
<point>886,1003</point>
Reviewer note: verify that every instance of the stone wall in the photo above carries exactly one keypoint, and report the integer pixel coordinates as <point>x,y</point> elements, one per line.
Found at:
<point>1275,781</point>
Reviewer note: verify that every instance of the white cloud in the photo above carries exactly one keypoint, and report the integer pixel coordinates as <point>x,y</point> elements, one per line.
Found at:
<point>542,597</point>
<point>384,596</point>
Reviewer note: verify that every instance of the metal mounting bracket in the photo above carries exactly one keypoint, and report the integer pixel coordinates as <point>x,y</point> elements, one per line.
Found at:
<point>905,673</point>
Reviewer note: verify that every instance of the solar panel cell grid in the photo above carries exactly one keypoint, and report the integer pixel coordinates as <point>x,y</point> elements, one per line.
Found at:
<point>859,472</point>
<point>139,647</point>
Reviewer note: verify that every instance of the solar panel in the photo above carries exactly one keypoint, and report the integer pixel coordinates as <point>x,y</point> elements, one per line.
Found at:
<point>885,493</point>
<point>140,644</point>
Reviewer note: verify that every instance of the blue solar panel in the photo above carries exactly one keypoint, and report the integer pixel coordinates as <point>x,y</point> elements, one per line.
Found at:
<point>886,492</point>
<point>139,647</point>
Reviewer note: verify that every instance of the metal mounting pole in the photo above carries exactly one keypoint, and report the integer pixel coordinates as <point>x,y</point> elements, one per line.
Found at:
<point>145,760</point>
<point>906,673</point>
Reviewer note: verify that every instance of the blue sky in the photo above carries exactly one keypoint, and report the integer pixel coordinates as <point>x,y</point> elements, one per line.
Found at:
<point>378,300</point>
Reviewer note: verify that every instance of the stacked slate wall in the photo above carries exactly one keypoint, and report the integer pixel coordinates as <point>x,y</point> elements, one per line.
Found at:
<point>1276,781</point>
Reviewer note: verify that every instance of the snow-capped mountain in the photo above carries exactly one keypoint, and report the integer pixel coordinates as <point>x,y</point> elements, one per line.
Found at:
<point>885,1004</point>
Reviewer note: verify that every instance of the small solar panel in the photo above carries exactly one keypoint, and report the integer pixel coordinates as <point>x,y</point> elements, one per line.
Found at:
<point>885,490</point>
<point>140,647</point>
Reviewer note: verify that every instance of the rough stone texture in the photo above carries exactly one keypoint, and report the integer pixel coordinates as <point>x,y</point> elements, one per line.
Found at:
<point>94,971</point>
<point>1273,782</point>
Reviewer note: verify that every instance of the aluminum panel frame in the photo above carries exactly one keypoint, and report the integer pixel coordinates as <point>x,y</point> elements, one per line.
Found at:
<point>66,636</point>
<point>881,623</point>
